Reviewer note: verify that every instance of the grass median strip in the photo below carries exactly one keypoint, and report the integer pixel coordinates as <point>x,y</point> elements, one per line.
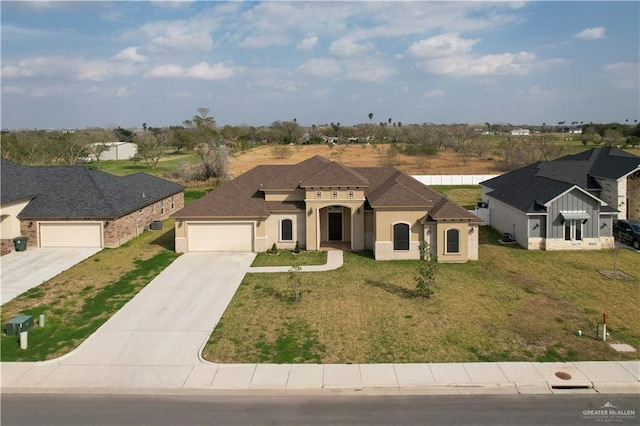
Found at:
<point>511,305</point>
<point>288,258</point>
<point>78,301</point>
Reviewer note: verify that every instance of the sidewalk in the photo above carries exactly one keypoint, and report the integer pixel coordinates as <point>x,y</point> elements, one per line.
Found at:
<point>351,379</point>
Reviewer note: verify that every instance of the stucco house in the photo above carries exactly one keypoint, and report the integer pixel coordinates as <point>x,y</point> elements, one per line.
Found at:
<point>318,202</point>
<point>56,206</point>
<point>566,204</point>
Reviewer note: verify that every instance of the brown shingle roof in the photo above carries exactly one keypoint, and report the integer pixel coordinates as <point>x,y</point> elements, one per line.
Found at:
<point>384,187</point>
<point>335,174</point>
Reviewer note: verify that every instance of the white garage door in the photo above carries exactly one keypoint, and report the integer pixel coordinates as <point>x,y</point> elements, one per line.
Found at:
<point>70,234</point>
<point>220,236</point>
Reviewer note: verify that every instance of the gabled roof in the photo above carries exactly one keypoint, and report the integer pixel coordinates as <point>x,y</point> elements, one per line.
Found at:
<point>531,187</point>
<point>335,174</point>
<point>80,192</point>
<point>383,187</point>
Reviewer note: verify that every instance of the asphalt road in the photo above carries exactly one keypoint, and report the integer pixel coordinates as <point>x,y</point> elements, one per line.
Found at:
<point>467,410</point>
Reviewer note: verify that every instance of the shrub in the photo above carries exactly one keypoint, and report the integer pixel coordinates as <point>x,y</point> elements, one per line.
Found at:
<point>297,248</point>
<point>274,249</point>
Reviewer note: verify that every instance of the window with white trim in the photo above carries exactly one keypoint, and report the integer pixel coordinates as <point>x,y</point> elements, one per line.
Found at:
<point>453,241</point>
<point>318,194</point>
<point>161,207</point>
<point>573,230</point>
<point>173,203</point>
<point>286,230</point>
<point>334,194</point>
<point>401,236</point>
<point>351,193</point>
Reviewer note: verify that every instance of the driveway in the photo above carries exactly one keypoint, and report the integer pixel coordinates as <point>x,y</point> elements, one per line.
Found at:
<point>156,338</point>
<point>22,270</point>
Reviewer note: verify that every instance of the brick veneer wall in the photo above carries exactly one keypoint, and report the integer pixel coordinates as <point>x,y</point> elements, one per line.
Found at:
<point>127,227</point>
<point>116,232</point>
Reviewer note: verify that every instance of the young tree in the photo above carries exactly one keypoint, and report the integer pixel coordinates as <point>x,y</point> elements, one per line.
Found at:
<point>427,270</point>
<point>294,283</point>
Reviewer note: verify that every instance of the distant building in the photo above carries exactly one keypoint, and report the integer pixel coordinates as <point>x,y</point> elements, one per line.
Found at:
<point>520,132</point>
<point>116,151</point>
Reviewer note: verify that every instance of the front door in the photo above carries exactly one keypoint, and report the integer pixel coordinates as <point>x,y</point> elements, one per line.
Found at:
<point>335,224</point>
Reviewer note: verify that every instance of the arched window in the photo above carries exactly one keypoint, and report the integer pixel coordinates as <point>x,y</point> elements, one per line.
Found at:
<point>453,241</point>
<point>286,230</point>
<point>401,236</point>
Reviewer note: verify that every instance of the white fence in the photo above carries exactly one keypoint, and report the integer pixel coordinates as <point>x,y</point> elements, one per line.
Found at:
<point>450,180</point>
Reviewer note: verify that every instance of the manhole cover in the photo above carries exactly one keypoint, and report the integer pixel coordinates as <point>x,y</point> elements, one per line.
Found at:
<point>562,375</point>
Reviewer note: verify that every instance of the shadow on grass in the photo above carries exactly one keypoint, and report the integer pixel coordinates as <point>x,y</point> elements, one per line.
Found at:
<point>276,294</point>
<point>166,239</point>
<point>367,254</point>
<point>392,288</point>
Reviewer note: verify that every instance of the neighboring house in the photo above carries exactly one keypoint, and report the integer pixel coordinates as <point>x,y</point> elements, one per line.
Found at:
<point>319,202</point>
<point>520,132</point>
<point>116,151</point>
<point>566,204</point>
<point>57,206</point>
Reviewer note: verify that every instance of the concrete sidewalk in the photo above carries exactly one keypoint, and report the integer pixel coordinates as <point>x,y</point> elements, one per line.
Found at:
<point>335,259</point>
<point>361,379</point>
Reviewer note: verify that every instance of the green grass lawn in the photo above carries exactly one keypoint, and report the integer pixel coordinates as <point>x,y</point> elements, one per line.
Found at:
<point>169,163</point>
<point>466,196</point>
<point>511,305</point>
<point>288,258</point>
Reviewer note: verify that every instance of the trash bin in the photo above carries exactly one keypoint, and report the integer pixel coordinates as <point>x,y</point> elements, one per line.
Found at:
<point>20,243</point>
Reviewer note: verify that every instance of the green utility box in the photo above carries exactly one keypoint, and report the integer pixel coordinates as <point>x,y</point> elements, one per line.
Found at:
<point>18,324</point>
<point>20,243</point>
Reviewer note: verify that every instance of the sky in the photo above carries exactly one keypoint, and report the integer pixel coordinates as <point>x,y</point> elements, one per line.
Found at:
<point>123,63</point>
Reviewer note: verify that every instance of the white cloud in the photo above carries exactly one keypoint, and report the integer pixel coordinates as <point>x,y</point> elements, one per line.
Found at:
<point>498,64</point>
<point>201,71</point>
<point>307,44</point>
<point>114,92</point>
<point>66,67</point>
<point>205,71</point>
<point>348,48</point>
<point>436,93</point>
<point>536,92</point>
<point>262,41</point>
<point>321,67</point>
<point>130,54</point>
<point>369,70</point>
<point>442,45</point>
<point>624,75</point>
<point>590,34</point>
<point>165,71</point>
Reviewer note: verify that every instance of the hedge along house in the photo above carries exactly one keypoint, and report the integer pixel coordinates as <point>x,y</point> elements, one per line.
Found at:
<point>57,206</point>
<point>321,203</point>
<point>566,204</point>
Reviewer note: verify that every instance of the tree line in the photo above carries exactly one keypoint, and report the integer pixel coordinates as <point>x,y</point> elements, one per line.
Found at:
<point>214,145</point>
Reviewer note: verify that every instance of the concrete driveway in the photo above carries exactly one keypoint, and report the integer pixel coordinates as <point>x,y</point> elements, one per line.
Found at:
<point>22,270</point>
<point>155,339</point>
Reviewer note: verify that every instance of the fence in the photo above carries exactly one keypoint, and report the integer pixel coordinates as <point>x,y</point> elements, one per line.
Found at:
<point>450,180</point>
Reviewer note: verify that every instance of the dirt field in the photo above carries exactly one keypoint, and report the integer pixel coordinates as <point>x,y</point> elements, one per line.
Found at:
<point>444,163</point>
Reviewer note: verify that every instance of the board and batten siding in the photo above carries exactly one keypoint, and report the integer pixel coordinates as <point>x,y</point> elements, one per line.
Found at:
<point>574,200</point>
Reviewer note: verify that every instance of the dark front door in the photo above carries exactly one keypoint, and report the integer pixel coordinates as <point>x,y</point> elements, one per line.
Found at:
<point>335,226</point>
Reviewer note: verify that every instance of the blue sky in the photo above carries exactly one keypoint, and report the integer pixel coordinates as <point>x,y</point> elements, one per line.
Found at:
<point>81,64</point>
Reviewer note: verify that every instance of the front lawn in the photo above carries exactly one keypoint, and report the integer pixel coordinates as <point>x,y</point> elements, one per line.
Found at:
<point>288,258</point>
<point>511,305</point>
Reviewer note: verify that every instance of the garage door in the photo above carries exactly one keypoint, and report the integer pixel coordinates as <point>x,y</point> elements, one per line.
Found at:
<point>70,234</point>
<point>220,236</point>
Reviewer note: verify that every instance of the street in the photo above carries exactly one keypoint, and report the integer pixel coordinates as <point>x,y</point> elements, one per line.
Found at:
<point>69,410</point>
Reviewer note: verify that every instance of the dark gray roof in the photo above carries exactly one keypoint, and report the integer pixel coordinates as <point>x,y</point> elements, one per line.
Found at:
<point>80,192</point>
<point>530,187</point>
